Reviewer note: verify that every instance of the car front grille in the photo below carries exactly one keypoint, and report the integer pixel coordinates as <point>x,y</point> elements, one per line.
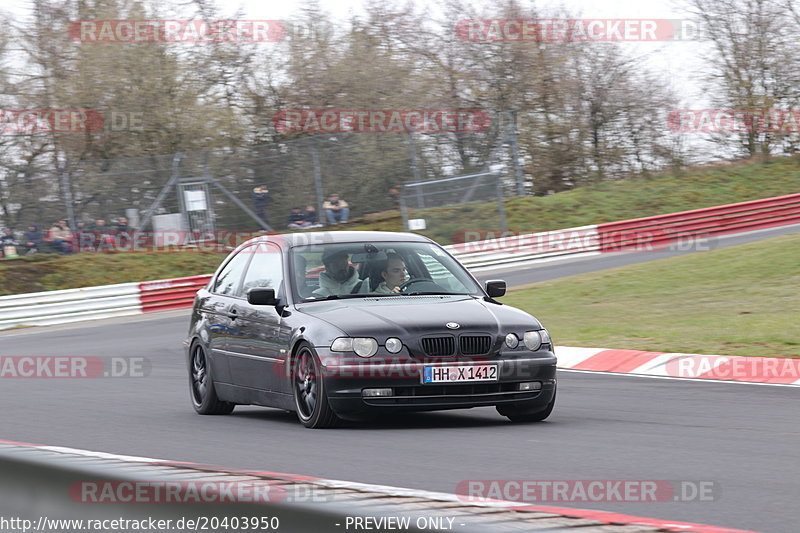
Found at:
<point>439,346</point>
<point>475,344</point>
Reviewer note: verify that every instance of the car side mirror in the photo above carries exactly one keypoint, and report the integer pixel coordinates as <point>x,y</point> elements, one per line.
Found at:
<point>495,288</point>
<point>261,296</point>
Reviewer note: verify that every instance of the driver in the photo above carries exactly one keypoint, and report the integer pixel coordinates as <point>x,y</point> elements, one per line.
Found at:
<point>393,274</point>
<point>338,277</point>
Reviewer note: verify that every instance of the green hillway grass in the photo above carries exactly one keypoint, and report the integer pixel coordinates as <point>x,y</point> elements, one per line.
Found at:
<point>46,272</point>
<point>609,201</point>
<point>738,300</point>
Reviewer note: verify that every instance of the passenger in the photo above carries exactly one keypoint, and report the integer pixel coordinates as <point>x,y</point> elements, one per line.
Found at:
<point>338,277</point>
<point>393,274</point>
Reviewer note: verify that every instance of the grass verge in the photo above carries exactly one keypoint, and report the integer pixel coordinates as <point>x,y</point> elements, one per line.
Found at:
<point>738,300</point>
<point>641,196</point>
<point>46,272</point>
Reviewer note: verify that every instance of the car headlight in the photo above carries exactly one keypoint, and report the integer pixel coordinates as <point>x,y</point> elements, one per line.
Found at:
<point>362,346</point>
<point>512,341</point>
<point>393,345</point>
<point>546,337</point>
<point>342,344</point>
<point>532,340</point>
<point>365,346</point>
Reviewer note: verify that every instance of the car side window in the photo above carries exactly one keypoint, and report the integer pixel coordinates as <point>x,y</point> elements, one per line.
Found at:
<point>440,273</point>
<point>265,270</point>
<point>228,280</point>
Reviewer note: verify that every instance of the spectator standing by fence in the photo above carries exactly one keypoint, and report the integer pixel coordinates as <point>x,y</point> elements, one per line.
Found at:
<point>336,209</point>
<point>261,197</point>
<point>84,237</point>
<point>103,239</point>
<point>122,225</point>
<point>122,232</point>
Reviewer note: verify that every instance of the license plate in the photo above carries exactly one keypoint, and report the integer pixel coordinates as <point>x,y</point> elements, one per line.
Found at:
<point>452,374</point>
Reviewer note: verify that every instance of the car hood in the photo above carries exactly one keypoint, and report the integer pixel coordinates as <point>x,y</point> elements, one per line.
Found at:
<point>419,315</point>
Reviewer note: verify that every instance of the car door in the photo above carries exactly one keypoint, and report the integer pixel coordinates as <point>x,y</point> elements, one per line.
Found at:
<point>226,294</point>
<point>258,358</point>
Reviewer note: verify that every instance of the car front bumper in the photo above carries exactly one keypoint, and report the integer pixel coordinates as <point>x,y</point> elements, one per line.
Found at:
<point>345,383</point>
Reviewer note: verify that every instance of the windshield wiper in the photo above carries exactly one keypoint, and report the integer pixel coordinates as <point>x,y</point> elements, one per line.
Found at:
<point>432,293</point>
<point>347,296</point>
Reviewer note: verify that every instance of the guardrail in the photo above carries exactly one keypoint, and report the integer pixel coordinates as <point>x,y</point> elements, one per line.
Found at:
<point>176,293</point>
<point>57,307</point>
<point>69,305</point>
<point>59,489</point>
<point>720,220</point>
<point>513,248</point>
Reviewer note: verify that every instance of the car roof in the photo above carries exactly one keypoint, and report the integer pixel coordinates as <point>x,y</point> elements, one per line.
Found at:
<point>290,240</point>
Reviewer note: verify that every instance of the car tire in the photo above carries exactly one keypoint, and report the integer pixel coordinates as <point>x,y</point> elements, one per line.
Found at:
<point>308,387</point>
<point>519,414</point>
<point>201,385</point>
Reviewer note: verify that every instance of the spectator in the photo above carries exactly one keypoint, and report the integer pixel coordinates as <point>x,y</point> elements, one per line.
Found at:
<point>8,243</point>
<point>122,225</point>
<point>339,277</point>
<point>297,219</point>
<point>122,232</point>
<point>33,239</point>
<point>311,217</point>
<point>84,237</point>
<point>103,239</point>
<point>394,194</point>
<point>60,237</point>
<point>336,210</point>
<point>261,197</point>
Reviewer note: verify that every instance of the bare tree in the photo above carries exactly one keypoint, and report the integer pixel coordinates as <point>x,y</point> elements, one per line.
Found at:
<point>754,67</point>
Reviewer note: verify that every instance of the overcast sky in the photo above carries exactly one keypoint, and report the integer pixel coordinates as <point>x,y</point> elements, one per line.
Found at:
<point>677,61</point>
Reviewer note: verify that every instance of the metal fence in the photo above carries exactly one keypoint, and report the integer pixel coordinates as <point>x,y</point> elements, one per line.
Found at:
<point>421,202</point>
<point>219,189</point>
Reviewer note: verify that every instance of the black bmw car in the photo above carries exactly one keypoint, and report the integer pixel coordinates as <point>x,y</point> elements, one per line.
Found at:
<point>347,325</point>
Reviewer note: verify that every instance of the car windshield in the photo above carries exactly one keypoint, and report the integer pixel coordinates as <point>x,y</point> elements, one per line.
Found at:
<point>357,270</point>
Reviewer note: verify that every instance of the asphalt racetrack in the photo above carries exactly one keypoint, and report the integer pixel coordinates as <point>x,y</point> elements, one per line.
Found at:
<point>744,438</point>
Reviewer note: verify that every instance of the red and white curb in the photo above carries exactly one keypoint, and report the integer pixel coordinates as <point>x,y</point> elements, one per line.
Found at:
<point>765,370</point>
<point>603,517</point>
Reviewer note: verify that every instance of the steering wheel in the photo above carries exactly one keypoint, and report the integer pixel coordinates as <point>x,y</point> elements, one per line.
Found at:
<point>406,284</point>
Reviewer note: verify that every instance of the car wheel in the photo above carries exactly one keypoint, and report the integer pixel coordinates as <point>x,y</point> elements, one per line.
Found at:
<point>518,413</point>
<point>310,396</point>
<point>201,386</point>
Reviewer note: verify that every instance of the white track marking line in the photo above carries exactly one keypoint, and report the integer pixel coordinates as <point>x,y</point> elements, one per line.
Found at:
<point>598,373</point>
<point>102,455</point>
<point>569,356</point>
